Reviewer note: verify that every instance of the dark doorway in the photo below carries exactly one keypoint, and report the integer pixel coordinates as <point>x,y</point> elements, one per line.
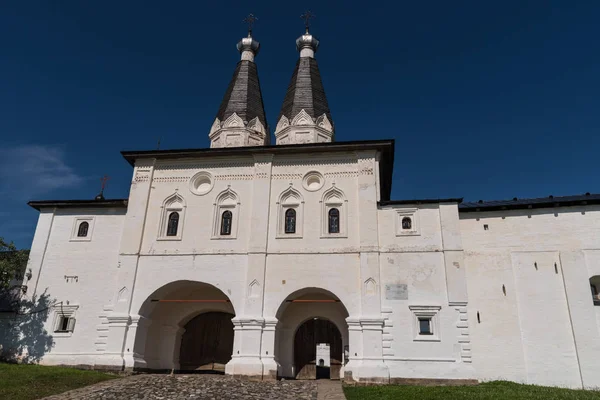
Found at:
<point>308,335</point>
<point>207,343</point>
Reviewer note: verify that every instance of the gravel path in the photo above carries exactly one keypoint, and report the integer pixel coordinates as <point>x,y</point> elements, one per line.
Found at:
<point>191,387</point>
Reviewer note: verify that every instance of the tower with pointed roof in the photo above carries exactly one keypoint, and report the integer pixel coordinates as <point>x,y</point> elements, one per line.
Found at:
<point>241,119</point>
<point>305,115</point>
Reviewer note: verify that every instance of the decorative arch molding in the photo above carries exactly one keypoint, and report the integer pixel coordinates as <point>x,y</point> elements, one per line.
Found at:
<point>334,198</point>
<point>345,301</point>
<point>254,289</point>
<point>234,121</point>
<point>370,287</point>
<point>226,201</point>
<point>257,126</point>
<point>215,126</point>
<point>290,196</point>
<point>282,124</point>
<point>303,119</point>
<point>290,199</point>
<point>324,123</point>
<point>175,203</point>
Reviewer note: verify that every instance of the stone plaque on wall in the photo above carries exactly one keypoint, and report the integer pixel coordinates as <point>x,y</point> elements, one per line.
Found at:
<point>396,292</point>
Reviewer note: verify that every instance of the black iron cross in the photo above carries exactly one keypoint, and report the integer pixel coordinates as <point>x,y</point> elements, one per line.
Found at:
<point>307,16</point>
<point>250,20</point>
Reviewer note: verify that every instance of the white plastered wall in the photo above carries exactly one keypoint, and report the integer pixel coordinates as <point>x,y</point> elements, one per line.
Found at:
<point>77,273</point>
<point>542,328</point>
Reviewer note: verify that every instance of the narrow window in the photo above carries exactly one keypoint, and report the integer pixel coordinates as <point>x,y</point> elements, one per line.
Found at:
<point>290,221</point>
<point>334,220</point>
<point>83,229</point>
<point>226,222</point>
<point>486,227</point>
<point>406,223</point>
<point>173,223</point>
<point>425,326</point>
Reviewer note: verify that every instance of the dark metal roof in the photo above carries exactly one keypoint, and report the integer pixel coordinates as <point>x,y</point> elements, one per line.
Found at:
<point>113,203</point>
<point>419,201</point>
<point>540,202</point>
<point>305,91</point>
<point>385,147</point>
<point>243,95</point>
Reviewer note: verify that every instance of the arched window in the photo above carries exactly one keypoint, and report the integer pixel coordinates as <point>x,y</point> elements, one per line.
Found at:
<point>83,229</point>
<point>290,221</point>
<point>334,220</point>
<point>226,218</point>
<point>173,223</point>
<point>406,223</point>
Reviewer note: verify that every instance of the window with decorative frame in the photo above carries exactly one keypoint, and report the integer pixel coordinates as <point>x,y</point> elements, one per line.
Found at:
<point>172,217</point>
<point>226,215</point>
<point>334,214</point>
<point>426,323</point>
<point>407,222</point>
<point>82,229</point>
<point>290,213</point>
<point>64,320</point>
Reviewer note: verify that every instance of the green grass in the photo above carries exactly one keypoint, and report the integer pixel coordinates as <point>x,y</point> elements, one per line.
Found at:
<point>485,391</point>
<point>27,382</point>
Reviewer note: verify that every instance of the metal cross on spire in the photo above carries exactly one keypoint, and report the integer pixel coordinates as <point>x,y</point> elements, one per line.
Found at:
<point>103,181</point>
<point>250,20</point>
<point>307,16</point>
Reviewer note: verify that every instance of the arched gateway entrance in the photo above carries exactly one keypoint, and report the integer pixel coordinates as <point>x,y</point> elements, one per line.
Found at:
<point>318,350</point>
<point>187,327</point>
<point>311,335</point>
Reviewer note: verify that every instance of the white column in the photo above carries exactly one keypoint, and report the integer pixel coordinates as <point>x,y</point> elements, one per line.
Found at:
<point>270,365</point>
<point>129,250</point>
<point>135,344</point>
<point>249,358</point>
<point>117,329</point>
<point>366,330</point>
<point>246,360</point>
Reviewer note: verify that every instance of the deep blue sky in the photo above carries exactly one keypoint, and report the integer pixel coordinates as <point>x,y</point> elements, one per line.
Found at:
<point>486,100</point>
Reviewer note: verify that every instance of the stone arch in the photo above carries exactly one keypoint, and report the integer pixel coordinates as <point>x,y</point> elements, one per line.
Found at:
<point>171,310</point>
<point>298,308</point>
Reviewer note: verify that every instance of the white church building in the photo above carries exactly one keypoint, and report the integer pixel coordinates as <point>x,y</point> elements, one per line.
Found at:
<point>290,260</point>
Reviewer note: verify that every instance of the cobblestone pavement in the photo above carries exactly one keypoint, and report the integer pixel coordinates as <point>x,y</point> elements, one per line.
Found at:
<point>191,387</point>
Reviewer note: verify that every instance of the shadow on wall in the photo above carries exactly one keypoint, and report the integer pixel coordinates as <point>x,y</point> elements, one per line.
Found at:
<point>22,334</point>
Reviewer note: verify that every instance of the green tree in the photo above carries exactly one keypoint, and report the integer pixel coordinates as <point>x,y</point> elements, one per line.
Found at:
<point>12,264</point>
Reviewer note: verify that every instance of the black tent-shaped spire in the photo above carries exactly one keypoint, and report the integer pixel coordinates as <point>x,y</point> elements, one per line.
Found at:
<point>305,91</point>
<point>243,96</point>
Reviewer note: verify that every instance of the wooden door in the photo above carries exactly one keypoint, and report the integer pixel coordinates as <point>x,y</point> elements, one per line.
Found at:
<point>207,343</point>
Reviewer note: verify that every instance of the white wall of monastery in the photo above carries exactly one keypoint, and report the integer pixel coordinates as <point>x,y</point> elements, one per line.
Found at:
<point>75,273</point>
<point>542,328</point>
<point>545,329</point>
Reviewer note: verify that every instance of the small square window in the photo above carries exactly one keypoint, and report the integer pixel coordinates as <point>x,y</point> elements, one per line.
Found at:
<point>65,324</point>
<point>64,320</point>
<point>425,326</point>
<point>426,323</point>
